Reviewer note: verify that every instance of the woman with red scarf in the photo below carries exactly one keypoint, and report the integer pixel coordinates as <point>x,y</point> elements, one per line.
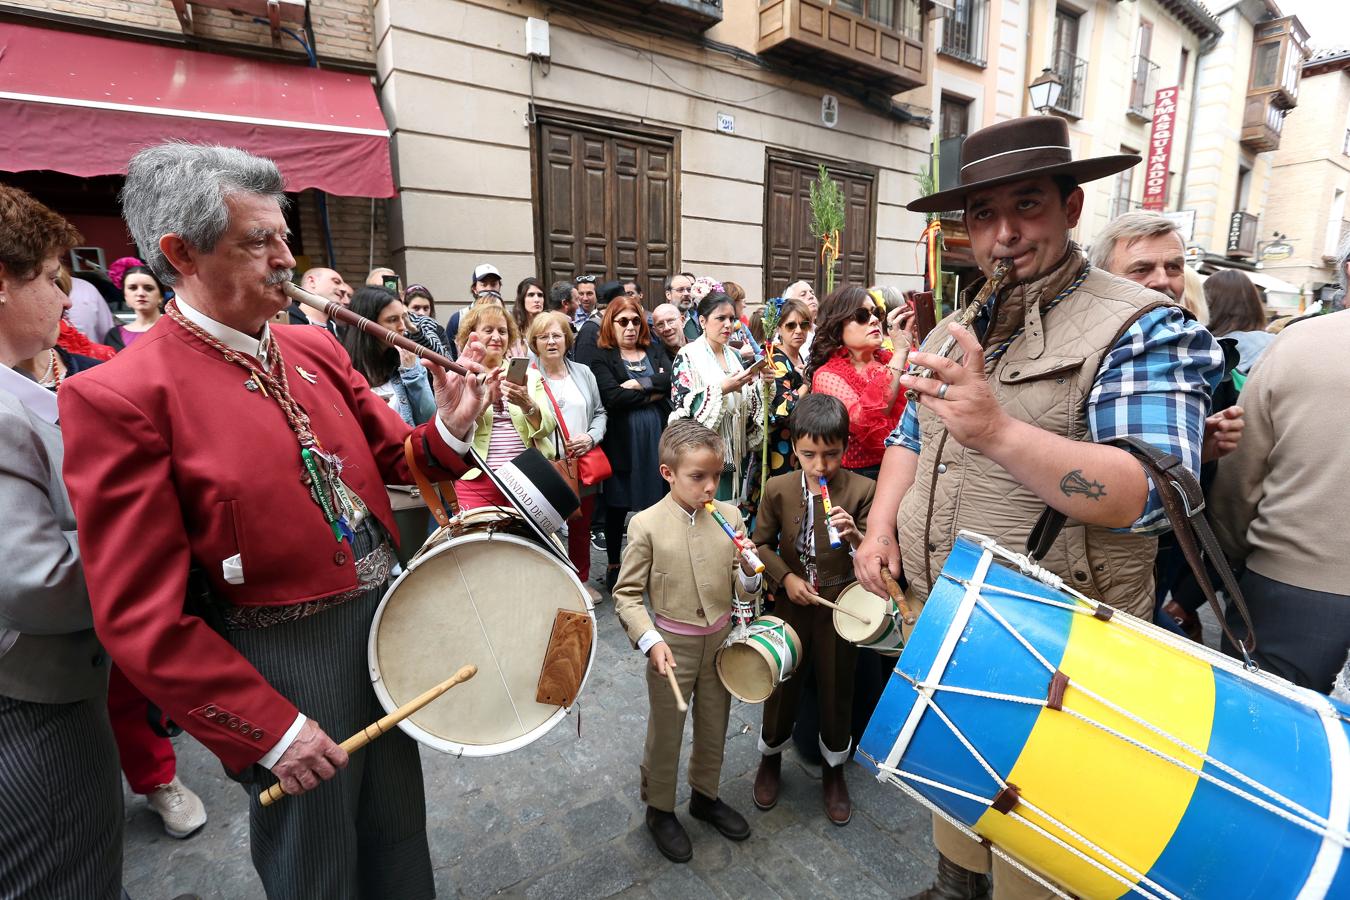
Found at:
<point>848,362</point>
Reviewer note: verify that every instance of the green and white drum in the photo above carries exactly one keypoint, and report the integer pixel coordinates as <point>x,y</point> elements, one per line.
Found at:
<point>883,634</point>
<point>757,659</point>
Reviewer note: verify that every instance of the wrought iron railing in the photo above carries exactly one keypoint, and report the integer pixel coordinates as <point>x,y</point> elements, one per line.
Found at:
<point>1072,72</point>
<point>1142,85</point>
<point>965,30</point>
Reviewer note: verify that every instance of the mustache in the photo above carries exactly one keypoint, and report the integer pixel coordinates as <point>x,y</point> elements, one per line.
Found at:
<point>279,276</point>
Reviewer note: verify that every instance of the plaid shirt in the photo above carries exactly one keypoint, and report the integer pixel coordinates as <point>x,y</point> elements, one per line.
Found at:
<point>1155,384</point>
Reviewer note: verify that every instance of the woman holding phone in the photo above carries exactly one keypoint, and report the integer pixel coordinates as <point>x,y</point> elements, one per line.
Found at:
<point>519,414</point>
<point>710,385</point>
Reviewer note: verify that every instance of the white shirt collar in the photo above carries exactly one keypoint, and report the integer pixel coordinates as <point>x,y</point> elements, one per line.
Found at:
<point>235,340</point>
<point>36,399</point>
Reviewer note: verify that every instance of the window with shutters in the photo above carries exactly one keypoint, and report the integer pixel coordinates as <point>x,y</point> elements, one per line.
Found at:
<point>791,251</point>
<point>606,201</point>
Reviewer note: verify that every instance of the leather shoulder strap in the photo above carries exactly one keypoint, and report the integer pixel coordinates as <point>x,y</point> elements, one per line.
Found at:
<point>428,491</point>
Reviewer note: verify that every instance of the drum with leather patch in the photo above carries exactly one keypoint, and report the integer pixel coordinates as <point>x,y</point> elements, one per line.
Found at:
<point>758,658</point>
<point>483,590</point>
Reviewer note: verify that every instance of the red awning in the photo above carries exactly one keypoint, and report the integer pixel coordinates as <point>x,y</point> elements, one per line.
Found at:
<point>83,104</point>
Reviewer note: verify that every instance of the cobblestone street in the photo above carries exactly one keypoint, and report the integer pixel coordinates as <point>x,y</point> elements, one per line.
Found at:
<point>562,818</point>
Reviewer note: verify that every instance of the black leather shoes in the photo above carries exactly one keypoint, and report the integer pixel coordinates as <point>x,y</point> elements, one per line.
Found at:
<point>671,838</point>
<point>768,780</point>
<point>955,883</point>
<point>730,823</point>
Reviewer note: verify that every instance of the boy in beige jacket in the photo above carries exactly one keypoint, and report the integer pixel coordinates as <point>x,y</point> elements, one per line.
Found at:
<point>678,555</point>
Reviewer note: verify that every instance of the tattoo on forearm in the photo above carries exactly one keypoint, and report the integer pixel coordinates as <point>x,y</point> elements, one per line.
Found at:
<point>1075,483</point>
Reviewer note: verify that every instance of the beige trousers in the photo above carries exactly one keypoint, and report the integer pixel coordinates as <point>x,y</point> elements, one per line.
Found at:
<point>697,676</point>
<point>1009,882</point>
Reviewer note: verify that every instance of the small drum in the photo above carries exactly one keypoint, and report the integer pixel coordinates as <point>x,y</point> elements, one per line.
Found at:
<point>482,590</point>
<point>883,635</point>
<point>1110,756</point>
<point>759,658</point>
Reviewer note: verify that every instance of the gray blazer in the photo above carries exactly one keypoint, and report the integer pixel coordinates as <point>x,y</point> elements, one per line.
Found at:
<point>595,407</point>
<point>48,650</point>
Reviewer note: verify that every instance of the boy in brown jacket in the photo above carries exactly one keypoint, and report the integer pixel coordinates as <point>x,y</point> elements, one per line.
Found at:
<point>678,555</point>
<point>793,536</point>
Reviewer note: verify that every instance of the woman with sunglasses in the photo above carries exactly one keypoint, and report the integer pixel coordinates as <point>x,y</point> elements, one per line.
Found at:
<point>633,374</point>
<point>711,386</point>
<point>848,362</point>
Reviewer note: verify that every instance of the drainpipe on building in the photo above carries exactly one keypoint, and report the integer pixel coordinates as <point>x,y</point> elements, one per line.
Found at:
<point>1206,46</point>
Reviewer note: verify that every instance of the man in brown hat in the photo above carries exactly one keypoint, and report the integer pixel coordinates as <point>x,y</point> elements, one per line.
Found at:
<point>1062,360</point>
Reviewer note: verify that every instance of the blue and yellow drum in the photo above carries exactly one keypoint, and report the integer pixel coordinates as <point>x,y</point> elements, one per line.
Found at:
<point>1110,756</point>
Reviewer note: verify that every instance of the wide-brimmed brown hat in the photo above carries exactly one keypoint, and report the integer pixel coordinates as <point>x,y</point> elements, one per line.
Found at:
<point>1019,148</point>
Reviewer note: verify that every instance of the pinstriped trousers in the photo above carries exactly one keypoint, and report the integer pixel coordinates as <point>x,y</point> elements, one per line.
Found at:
<point>361,835</point>
<point>60,801</point>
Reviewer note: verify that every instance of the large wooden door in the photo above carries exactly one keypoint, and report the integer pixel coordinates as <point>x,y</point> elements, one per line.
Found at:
<point>791,251</point>
<point>606,202</point>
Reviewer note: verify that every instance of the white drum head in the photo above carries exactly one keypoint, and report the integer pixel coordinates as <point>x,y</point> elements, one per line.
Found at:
<point>483,598</point>
<point>858,599</point>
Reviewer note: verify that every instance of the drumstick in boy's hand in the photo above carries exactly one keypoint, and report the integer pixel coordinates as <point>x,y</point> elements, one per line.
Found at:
<point>897,595</point>
<point>848,612</point>
<point>675,688</point>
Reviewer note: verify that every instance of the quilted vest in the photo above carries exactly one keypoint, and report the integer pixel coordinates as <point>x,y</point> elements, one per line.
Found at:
<point>1043,379</point>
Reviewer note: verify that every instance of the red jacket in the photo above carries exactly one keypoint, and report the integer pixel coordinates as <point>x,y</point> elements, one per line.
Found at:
<point>171,462</point>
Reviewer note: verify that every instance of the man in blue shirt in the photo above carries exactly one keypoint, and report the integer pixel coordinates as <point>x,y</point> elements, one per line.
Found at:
<point>1064,359</point>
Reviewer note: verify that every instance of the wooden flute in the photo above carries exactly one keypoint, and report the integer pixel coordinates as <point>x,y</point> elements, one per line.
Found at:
<point>997,279</point>
<point>337,311</point>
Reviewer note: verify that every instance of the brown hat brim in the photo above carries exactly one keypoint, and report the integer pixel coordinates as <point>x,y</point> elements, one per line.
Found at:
<point>1081,170</point>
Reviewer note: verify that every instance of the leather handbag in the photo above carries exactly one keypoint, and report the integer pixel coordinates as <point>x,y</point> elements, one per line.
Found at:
<point>593,466</point>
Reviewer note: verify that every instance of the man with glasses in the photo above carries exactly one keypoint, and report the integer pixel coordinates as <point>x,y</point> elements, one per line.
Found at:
<point>668,325</point>
<point>585,300</point>
<point>588,335</point>
<point>679,293</point>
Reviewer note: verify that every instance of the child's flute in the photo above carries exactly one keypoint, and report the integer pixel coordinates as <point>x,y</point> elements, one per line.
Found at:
<point>742,544</point>
<point>835,541</point>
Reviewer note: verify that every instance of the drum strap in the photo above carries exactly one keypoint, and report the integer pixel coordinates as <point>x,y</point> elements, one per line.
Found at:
<point>1184,502</point>
<point>428,491</point>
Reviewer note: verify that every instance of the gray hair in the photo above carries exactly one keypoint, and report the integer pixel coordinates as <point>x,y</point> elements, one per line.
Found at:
<point>892,295</point>
<point>1342,259</point>
<point>1129,227</point>
<point>180,188</point>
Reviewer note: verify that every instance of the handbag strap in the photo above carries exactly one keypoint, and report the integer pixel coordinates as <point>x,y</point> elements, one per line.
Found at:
<point>562,425</point>
<point>428,491</point>
<point>1184,503</point>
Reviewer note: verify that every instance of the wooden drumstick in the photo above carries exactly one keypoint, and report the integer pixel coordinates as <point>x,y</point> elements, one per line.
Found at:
<point>375,729</point>
<point>848,612</point>
<point>897,595</point>
<point>675,687</point>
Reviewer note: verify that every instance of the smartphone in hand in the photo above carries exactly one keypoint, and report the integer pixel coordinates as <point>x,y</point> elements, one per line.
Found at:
<point>516,369</point>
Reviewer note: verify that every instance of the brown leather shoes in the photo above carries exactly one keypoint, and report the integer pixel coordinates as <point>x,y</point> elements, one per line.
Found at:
<point>838,806</point>
<point>955,883</point>
<point>768,780</point>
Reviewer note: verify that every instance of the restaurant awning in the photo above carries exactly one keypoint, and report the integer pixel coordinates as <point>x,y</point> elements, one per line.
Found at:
<point>84,104</point>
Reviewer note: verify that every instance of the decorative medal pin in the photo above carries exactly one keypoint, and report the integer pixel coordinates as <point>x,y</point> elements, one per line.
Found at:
<point>308,376</point>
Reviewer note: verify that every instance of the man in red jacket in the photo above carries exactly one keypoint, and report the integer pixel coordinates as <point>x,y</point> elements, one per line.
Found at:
<point>256,458</point>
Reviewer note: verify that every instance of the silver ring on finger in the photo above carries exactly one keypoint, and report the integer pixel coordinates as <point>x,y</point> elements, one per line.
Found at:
<point>942,391</point>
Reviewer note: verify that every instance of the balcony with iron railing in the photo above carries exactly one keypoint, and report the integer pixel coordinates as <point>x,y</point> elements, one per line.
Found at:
<point>1072,72</point>
<point>686,16</point>
<point>1142,86</point>
<point>1242,234</point>
<point>872,43</point>
<point>965,29</point>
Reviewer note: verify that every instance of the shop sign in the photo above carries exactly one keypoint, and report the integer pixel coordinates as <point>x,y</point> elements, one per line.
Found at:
<point>1160,148</point>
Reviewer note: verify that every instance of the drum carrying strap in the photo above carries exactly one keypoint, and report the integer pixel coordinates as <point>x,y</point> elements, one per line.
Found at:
<point>1184,502</point>
<point>428,491</point>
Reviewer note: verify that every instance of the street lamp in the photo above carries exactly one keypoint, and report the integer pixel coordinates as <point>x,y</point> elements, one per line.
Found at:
<point>1045,91</point>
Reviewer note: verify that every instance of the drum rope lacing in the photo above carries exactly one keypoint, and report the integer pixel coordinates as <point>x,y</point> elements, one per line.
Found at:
<point>924,693</point>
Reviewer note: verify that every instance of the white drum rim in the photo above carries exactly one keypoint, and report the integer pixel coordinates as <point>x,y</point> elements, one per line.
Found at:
<point>881,604</point>
<point>435,742</point>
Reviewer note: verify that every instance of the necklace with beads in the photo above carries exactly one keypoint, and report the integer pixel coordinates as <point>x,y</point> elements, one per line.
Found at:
<point>321,472</point>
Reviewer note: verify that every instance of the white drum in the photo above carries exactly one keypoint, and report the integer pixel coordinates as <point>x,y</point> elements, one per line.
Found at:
<point>482,590</point>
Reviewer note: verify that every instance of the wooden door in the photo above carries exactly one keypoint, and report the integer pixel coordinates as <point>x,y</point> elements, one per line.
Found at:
<point>791,251</point>
<point>606,203</point>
